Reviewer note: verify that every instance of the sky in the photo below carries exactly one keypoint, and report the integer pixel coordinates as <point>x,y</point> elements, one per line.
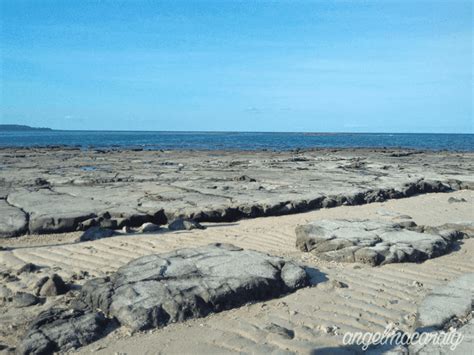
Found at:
<point>314,66</point>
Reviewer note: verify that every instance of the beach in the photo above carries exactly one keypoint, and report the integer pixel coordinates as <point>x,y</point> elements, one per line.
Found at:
<point>253,200</point>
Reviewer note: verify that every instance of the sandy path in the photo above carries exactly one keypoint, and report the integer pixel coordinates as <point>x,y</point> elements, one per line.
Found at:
<point>374,297</point>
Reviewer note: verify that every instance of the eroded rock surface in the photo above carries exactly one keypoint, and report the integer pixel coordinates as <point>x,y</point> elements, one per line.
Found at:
<point>61,330</point>
<point>371,242</point>
<point>454,299</point>
<point>64,190</point>
<point>13,221</point>
<point>155,290</point>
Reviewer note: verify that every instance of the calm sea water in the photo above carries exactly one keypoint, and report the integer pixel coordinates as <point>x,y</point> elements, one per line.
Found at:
<point>235,140</point>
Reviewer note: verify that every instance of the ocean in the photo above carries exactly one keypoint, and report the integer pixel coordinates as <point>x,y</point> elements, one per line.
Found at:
<point>235,140</point>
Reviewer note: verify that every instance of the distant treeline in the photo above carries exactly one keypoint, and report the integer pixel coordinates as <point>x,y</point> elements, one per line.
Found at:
<point>18,127</point>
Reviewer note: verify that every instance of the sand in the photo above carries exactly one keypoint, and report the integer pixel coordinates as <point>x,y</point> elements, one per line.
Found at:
<point>318,316</point>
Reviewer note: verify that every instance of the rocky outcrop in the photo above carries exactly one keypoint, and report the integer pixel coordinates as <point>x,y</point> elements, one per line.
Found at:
<point>13,221</point>
<point>124,188</point>
<point>371,242</point>
<point>155,290</point>
<point>453,300</point>
<point>95,233</point>
<point>51,286</point>
<point>61,330</point>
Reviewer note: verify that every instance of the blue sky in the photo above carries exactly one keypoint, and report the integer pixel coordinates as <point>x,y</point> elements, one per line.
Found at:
<point>359,66</point>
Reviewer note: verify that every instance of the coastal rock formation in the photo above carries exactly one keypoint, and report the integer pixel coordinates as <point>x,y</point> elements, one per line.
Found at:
<point>65,190</point>
<point>371,242</point>
<point>61,330</point>
<point>444,303</point>
<point>13,221</point>
<point>444,309</point>
<point>155,290</point>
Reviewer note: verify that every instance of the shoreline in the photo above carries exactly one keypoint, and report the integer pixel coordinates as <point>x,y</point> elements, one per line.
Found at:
<point>134,148</point>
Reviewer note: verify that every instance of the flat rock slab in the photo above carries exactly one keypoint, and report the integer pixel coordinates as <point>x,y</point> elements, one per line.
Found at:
<point>370,242</point>
<point>64,190</point>
<point>454,299</point>
<point>13,220</point>
<point>155,290</point>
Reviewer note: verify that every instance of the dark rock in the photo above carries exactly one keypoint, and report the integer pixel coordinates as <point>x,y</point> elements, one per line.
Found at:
<point>281,331</point>
<point>24,299</point>
<point>184,224</point>
<point>371,242</point>
<point>456,200</point>
<point>61,330</point>
<point>51,286</point>
<point>245,178</point>
<point>95,233</point>
<point>155,290</point>
<point>41,182</point>
<point>27,268</point>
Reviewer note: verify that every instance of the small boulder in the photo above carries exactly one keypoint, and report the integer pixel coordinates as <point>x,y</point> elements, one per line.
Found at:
<point>24,299</point>
<point>149,227</point>
<point>5,293</point>
<point>244,178</point>
<point>95,233</point>
<point>184,224</point>
<point>27,268</point>
<point>280,331</point>
<point>61,330</point>
<point>51,286</point>
<point>456,200</point>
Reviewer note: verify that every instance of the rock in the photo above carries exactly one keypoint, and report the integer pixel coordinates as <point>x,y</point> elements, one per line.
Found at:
<point>245,178</point>
<point>51,286</point>
<point>460,342</point>
<point>126,229</point>
<point>370,242</point>
<point>27,268</point>
<point>7,276</point>
<point>41,182</point>
<point>281,331</point>
<point>61,330</point>
<point>149,227</point>
<point>456,200</point>
<point>81,275</point>
<point>95,233</point>
<point>155,290</point>
<point>52,212</point>
<point>464,229</point>
<point>13,221</point>
<point>5,293</point>
<point>24,299</point>
<point>184,224</point>
<point>446,302</point>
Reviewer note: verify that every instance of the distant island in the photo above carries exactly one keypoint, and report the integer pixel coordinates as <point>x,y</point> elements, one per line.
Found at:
<point>17,127</point>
